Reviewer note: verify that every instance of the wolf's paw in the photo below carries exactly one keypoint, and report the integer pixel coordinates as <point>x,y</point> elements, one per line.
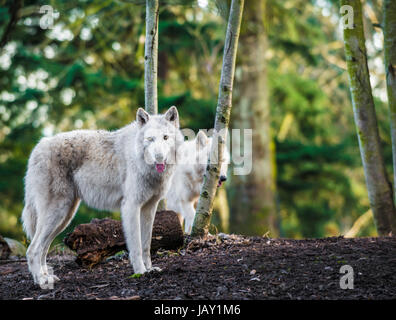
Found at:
<point>140,270</point>
<point>46,281</point>
<point>154,269</point>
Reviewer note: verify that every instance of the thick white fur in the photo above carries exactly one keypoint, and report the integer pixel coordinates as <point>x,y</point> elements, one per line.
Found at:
<point>108,171</point>
<point>188,178</point>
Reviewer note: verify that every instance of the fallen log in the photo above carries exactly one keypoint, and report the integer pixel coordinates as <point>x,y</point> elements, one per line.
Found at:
<point>102,238</point>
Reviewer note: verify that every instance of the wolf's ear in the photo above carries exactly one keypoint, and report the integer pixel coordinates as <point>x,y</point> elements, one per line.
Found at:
<point>202,139</point>
<point>142,117</point>
<point>172,116</point>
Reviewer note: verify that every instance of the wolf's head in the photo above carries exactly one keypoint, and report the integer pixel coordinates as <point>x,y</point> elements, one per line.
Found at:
<point>159,137</point>
<point>196,155</point>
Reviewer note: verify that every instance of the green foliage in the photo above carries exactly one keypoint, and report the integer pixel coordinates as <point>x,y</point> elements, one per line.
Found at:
<point>135,276</point>
<point>87,72</point>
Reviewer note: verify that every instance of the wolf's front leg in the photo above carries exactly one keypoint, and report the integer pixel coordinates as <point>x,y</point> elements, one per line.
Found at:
<point>147,220</point>
<point>130,213</point>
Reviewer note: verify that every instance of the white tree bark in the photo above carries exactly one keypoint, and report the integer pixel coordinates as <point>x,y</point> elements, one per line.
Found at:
<point>151,65</point>
<point>151,57</point>
<point>224,104</point>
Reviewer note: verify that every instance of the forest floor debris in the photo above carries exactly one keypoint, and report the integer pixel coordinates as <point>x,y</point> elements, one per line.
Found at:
<point>224,267</point>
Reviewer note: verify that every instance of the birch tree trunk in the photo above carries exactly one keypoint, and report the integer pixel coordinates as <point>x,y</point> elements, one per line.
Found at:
<point>223,111</point>
<point>151,65</point>
<point>378,186</point>
<point>151,57</point>
<point>390,69</point>
<point>252,197</point>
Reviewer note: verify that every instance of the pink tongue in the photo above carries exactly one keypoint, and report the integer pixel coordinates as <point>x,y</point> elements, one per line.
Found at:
<point>160,167</point>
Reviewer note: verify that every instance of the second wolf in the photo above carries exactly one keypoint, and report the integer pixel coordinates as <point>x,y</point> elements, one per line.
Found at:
<point>187,181</point>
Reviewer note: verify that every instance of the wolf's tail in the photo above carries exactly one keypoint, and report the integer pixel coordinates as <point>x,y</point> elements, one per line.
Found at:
<point>29,218</point>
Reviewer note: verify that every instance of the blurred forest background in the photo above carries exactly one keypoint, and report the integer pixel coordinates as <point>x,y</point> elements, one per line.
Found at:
<point>291,88</point>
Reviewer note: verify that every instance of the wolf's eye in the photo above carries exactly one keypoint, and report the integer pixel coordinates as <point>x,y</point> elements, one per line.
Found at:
<point>166,137</point>
<point>151,139</point>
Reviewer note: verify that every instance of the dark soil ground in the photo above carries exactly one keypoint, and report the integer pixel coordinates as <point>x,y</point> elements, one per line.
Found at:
<point>225,267</point>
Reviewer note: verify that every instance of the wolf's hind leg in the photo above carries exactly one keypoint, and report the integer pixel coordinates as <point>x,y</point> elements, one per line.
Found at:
<point>52,219</point>
<point>70,215</point>
<point>189,214</point>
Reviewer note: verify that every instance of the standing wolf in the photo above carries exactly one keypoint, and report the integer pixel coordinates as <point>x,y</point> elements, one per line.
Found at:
<point>128,169</point>
<point>189,175</point>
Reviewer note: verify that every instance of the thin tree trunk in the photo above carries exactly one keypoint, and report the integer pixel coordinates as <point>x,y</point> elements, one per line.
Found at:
<point>252,196</point>
<point>378,186</point>
<point>223,111</point>
<point>151,65</point>
<point>390,68</point>
<point>151,57</point>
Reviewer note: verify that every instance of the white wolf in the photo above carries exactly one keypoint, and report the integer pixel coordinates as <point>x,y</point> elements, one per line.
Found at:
<point>189,175</point>
<point>128,169</point>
